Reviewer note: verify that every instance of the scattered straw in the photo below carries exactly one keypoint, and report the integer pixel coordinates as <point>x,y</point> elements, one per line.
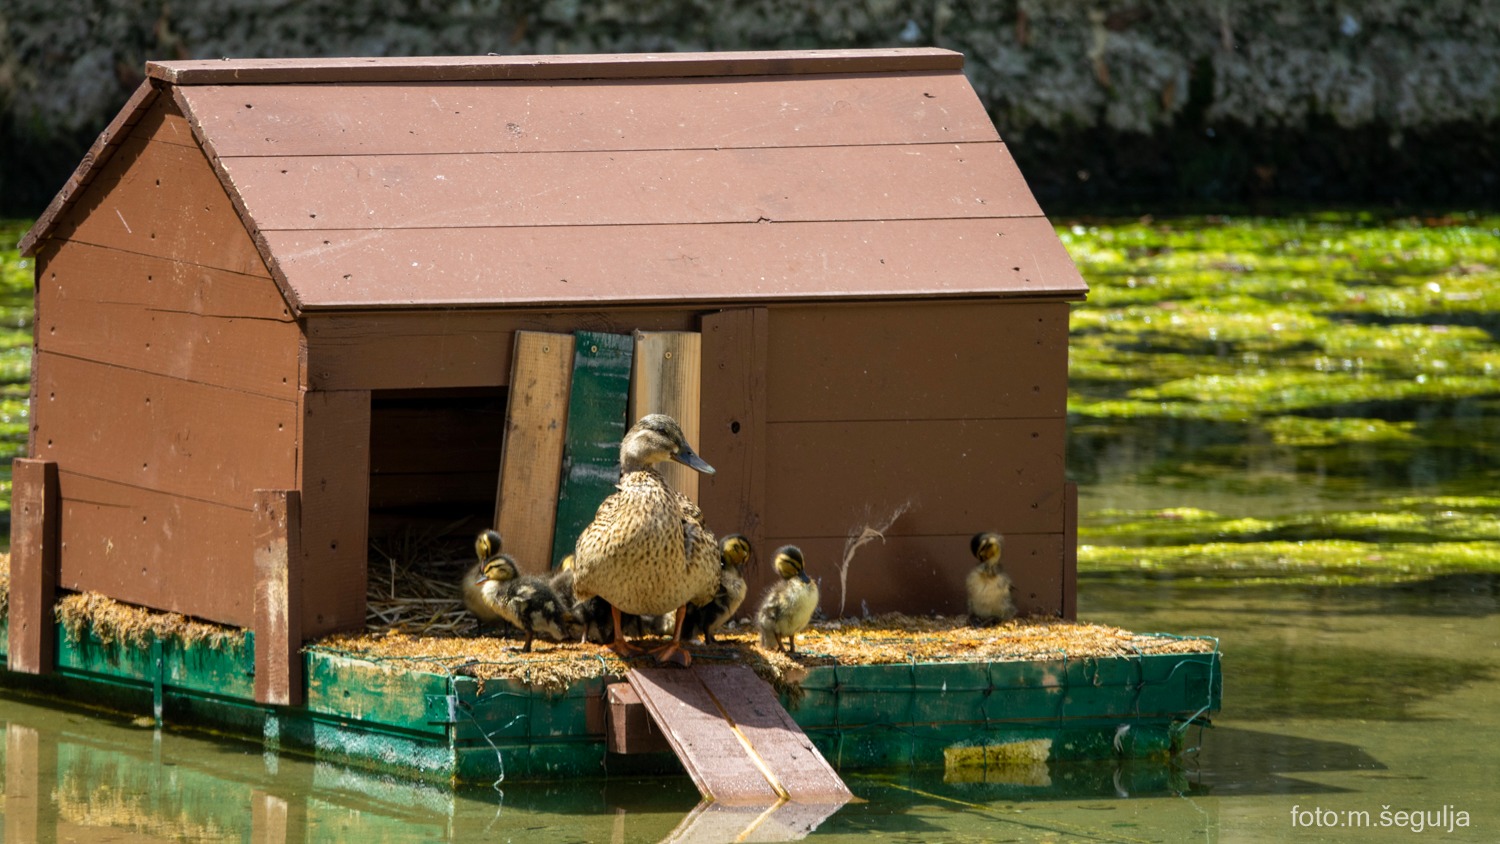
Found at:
<point>114,622</point>
<point>413,583</point>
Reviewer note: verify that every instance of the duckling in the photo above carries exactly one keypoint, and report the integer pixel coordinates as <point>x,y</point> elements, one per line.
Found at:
<point>526,601</point>
<point>988,586</point>
<point>647,550</point>
<point>788,605</point>
<point>734,550</point>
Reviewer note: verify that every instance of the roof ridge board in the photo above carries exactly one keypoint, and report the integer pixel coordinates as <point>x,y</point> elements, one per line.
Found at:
<point>583,66</point>
<point>98,153</point>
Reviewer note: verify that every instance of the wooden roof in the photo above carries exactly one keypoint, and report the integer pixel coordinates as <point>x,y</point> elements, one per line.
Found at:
<point>558,180</point>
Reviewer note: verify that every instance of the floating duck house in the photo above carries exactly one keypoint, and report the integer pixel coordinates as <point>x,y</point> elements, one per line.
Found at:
<point>287,306</point>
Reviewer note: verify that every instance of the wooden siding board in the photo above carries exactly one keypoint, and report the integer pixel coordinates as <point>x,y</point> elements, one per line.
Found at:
<point>665,378</point>
<point>532,454</point>
<point>156,550</point>
<point>598,400</point>
<point>334,481</point>
<point>559,115</point>
<point>599,66</point>
<point>933,360</point>
<point>151,283</point>
<point>956,476</point>
<point>277,560</point>
<point>99,154</point>
<point>711,263</point>
<point>155,432</point>
<point>162,199</point>
<point>783,184</point>
<point>444,349</point>
<point>733,423</point>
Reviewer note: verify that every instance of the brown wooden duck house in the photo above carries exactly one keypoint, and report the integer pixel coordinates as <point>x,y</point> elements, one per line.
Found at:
<point>278,309</point>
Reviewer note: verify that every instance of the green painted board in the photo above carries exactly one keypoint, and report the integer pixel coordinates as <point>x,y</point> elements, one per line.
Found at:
<point>597,404</point>
<point>225,671</point>
<point>378,695</point>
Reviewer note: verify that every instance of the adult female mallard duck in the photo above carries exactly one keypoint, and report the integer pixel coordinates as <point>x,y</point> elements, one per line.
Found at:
<point>592,618</point>
<point>988,585</point>
<point>647,550</point>
<point>734,550</point>
<point>788,605</point>
<point>500,591</point>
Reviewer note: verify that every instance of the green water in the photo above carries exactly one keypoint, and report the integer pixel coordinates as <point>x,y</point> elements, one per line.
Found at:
<point>1285,436</point>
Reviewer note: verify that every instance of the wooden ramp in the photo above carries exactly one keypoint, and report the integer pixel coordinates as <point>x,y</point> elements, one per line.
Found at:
<point>737,743</point>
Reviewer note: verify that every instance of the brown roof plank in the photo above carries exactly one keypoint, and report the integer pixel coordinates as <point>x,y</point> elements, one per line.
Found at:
<point>181,437</point>
<point>156,549</point>
<point>927,360</point>
<point>783,184</point>
<point>958,475</point>
<point>408,268</point>
<point>297,120</point>
<point>598,66</point>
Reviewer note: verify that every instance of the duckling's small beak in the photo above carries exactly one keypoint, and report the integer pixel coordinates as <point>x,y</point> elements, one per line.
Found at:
<point>688,458</point>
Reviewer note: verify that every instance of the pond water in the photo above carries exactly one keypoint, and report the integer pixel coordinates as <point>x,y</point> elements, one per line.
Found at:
<point>1285,435</point>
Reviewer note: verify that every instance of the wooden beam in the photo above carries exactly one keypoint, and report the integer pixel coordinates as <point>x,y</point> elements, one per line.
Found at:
<point>32,645</point>
<point>665,378</point>
<point>531,453</point>
<point>334,481</point>
<point>278,597</point>
<point>631,729</point>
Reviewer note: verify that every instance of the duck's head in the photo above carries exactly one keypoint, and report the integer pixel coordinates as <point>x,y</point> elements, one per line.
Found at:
<point>789,563</point>
<point>986,546</point>
<point>487,544</point>
<point>734,550</point>
<point>655,438</point>
<point>500,569</point>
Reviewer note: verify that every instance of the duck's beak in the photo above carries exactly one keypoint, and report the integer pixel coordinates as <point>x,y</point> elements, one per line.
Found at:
<point>687,457</point>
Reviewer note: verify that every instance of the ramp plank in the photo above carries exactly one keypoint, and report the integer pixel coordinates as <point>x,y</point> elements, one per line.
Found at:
<point>735,740</point>
<point>715,758</point>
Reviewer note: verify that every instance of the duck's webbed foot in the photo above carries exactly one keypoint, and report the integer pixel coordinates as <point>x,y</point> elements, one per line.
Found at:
<point>622,648</point>
<point>675,654</point>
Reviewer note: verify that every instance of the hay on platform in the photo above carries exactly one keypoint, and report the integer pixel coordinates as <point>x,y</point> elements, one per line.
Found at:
<point>113,622</point>
<point>413,581</point>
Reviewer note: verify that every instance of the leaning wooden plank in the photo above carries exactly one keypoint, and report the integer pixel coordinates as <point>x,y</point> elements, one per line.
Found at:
<point>278,597</point>
<point>666,377</point>
<point>786,821</point>
<point>32,645</point>
<point>750,704</point>
<point>531,453</point>
<point>597,403</point>
<point>719,762</point>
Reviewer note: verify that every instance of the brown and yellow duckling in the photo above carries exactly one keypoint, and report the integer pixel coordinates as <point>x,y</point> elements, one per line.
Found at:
<point>734,550</point>
<point>647,550</point>
<point>988,585</point>
<point>501,591</point>
<point>788,605</point>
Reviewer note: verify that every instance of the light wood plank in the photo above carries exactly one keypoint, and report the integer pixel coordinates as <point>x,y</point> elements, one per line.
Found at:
<point>532,451</point>
<point>666,377</point>
<point>783,184</point>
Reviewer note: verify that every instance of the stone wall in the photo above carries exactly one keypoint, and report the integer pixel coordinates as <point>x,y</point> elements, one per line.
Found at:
<point>1150,101</point>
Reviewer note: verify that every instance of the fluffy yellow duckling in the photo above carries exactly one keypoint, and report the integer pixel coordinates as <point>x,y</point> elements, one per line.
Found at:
<point>988,585</point>
<point>501,591</point>
<point>647,550</point>
<point>734,550</point>
<point>788,605</point>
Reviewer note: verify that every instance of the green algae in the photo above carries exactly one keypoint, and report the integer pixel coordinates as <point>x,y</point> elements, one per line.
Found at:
<point>1351,354</point>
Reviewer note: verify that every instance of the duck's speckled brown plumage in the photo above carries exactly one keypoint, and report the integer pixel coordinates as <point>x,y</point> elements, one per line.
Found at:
<point>647,550</point>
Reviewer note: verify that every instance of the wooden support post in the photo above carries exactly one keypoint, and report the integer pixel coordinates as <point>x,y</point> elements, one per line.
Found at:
<point>531,453</point>
<point>733,427</point>
<point>278,597</point>
<point>1070,552</point>
<point>30,777</point>
<point>32,645</point>
<point>666,371</point>
<point>631,729</point>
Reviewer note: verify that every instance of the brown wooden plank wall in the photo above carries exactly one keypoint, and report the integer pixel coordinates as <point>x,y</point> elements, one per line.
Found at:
<point>956,411</point>
<point>166,382</point>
